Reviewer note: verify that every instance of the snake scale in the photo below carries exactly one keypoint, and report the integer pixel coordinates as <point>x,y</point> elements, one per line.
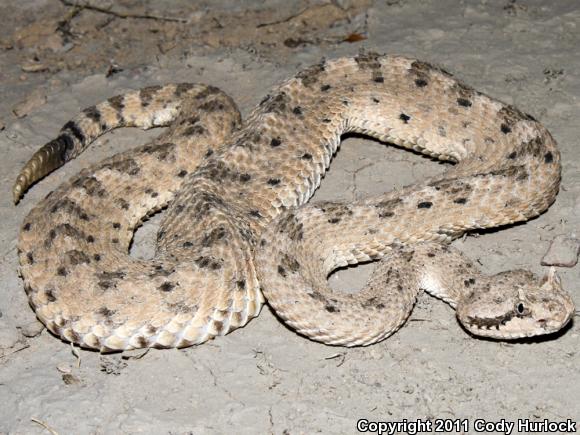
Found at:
<point>233,231</point>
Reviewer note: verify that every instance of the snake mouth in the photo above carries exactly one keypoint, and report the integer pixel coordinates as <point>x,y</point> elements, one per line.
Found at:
<point>513,327</point>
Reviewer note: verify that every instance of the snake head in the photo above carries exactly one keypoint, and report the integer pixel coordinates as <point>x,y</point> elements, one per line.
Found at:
<point>517,304</point>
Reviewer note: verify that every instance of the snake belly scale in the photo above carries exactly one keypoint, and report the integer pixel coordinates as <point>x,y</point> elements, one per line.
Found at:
<point>231,232</point>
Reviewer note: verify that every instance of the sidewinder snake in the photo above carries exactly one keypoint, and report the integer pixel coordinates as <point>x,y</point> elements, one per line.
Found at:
<point>233,230</point>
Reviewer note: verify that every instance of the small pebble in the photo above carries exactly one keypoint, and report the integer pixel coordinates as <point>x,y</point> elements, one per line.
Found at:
<point>9,336</point>
<point>67,47</point>
<point>64,368</point>
<point>70,379</point>
<point>31,329</point>
<point>563,252</point>
<point>34,67</point>
<point>36,99</point>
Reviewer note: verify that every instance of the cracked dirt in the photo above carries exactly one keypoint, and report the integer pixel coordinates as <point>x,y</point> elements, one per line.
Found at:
<point>57,58</point>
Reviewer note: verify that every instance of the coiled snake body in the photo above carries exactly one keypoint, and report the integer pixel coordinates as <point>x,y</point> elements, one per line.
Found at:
<point>232,230</point>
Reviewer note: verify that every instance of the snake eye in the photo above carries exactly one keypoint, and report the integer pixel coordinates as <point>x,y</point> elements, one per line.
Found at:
<point>520,308</point>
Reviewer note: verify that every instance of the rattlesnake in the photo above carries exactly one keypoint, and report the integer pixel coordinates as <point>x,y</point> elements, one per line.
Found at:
<point>231,230</point>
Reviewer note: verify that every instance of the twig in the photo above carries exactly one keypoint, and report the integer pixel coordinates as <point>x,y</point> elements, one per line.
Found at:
<point>122,15</point>
<point>75,352</point>
<point>44,425</point>
<point>26,346</point>
<point>285,20</point>
<point>141,355</point>
<point>340,355</point>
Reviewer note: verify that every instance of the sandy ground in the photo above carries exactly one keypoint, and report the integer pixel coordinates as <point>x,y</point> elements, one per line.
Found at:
<point>264,378</point>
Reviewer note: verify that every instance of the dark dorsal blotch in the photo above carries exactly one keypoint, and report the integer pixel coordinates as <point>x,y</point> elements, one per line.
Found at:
<point>207,263</point>
<point>192,120</point>
<point>386,208</point>
<point>93,114</point>
<point>118,274</point>
<point>368,61</point>
<point>105,312</point>
<point>195,130</point>
<point>122,203</point>
<point>370,302</point>
<point>146,95</point>
<point>63,147</point>
<point>183,88</point>
<point>49,293</point>
<point>276,104</point>
<point>214,236</point>
<point>75,130</point>
<point>91,185</point>
<point>311,75</point>
<point>317,296</point>
<point>216,170</point>
<point>67,205</point>
<point>206,92</point>
<point>290,225</point>
<point>117,102</point>
<point>282,271</point>
<point>65,230</point>
<point>255,214</point>
<point>163,151</point>
<point>167,286</point>
<point>76,257</point>
<point>290,263</point>
<point>126,166</point>
<point>141,341</point>
<point>534,147</point>
<point>159,270</point>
